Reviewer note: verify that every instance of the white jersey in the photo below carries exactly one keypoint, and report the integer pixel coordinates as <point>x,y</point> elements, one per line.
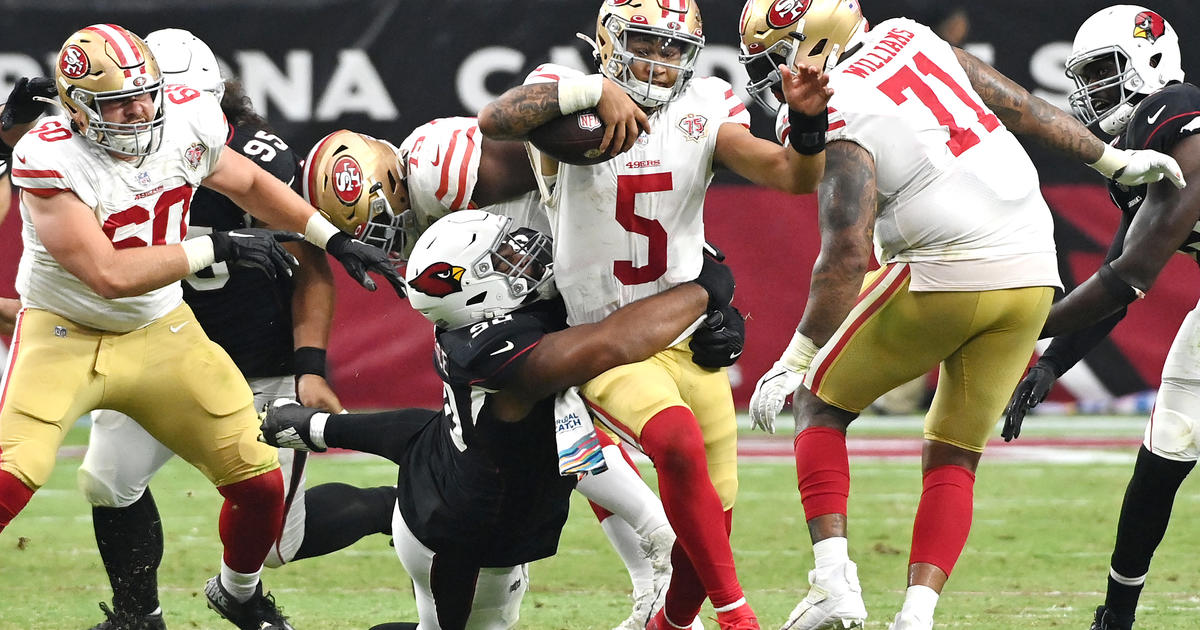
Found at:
<point>441,166</point>
<point>136,205</point>
<point>959,198</point>
<point>633,226</point>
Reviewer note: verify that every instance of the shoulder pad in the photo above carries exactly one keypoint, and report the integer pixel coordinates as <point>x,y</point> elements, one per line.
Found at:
<point>1164,118</point>
<point>488,353</point>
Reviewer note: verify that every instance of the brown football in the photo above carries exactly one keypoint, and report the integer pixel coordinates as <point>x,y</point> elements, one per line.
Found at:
<point>572,139</point>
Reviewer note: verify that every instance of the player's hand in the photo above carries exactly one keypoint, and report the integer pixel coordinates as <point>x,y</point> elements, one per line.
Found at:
<point>358,258</point>
<point>9,307</point>
<point>1030,391</point>
<point>623,120</point>
<point>314,391</point>
<point>1148,166</point>
<point>27,101</point>
<point>770,393</point>
<point>256,248</point>
<point>806,89</point>
<point>717,280</point>
<point>718,342</point>
<point>285,424</point>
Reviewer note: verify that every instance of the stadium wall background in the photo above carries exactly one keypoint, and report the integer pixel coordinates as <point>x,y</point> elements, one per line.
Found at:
<point>383,67</point>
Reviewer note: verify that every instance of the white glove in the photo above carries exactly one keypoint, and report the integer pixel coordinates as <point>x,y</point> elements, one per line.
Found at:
<point>781,381</point>
<point>1134,168</point>
<point>770,393</point>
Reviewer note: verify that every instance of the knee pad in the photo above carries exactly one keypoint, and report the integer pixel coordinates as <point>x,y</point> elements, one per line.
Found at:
<point>102,493</point>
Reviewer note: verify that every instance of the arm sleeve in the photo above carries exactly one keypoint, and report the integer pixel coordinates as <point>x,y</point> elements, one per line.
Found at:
<point>386,433</point>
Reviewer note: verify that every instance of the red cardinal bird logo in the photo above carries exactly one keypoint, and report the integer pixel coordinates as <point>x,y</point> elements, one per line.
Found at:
<point>438,280</point>
<point>1149,25</point>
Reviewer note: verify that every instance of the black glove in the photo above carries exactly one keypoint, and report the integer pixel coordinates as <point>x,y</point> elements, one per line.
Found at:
<point>358,258</point>
<point>1030,391</point>
<point>21,107</point>
<point>717,280</point>
<point>256,248</point>
<point>285,424</point>
<point>718,342</point>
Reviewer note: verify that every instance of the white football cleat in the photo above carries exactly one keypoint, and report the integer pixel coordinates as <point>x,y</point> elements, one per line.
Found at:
<point>909,622</point>
<point>657,549</point>
<point>833,602</point>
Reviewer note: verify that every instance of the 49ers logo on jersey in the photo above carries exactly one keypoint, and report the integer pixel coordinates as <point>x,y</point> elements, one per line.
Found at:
<point>1149,25</point>
<point>194,154</point>
<point>73,63</point>
<point>438,280</point>
<point>785,12</point>
<point>694,126</point>
<point>347,180</point>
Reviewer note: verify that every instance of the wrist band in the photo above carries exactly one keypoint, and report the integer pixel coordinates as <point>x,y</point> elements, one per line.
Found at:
<point>799,353</point>
<point>1112,162</point>
<point>199,252</point>
<point>1116,286</point>
<point>309,360</point>
<point>807,133</point>
<point>576,93</point>
<point>319,230</point>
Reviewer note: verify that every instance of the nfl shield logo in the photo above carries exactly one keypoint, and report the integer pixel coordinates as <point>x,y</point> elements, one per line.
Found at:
<point>194,154</point>
<point>589,121</point>
<point>143,178</point>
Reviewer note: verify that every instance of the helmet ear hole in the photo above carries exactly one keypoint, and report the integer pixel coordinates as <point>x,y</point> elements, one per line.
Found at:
<point>819,48</point>
<point>477,298</point>
<point>1154,60</point>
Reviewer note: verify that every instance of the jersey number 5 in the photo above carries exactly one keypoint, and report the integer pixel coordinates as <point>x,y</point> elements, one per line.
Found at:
<point>905,79</point>
<point>628,188</point>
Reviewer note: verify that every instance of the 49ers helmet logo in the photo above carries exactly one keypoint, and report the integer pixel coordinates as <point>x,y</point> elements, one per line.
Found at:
<point>347,180</point>
<point>786,12</point>
<point>1149,25</point>
<point>438,280</point>
<point>74,62</point>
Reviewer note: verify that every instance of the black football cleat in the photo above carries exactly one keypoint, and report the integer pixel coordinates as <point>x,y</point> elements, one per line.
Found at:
<point>1106,620</point>
<point>257,613</point>
<point>125,621</point>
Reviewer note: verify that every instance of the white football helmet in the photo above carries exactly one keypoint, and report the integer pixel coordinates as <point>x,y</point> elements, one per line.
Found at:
<point>105,62</point>
<point>186,59</point>
<point>673,27</point>
<point>1143,54</point>
<point>468,267</point>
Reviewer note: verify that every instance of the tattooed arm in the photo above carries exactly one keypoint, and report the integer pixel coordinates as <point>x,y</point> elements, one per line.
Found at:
<point>1026,114</point>
<point>847,222</point>
<point>524,108</point>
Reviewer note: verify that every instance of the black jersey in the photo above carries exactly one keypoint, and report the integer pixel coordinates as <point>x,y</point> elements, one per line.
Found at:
<point>1160,121</point>
<point>242,309</point>
<point>472,484</point>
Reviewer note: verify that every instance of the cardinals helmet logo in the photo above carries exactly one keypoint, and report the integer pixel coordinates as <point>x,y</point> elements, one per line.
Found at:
<point>1149,25</point>
<point>438,280</point>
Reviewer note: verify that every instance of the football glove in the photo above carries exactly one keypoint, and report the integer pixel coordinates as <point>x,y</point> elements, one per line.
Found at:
<point>1030,391</point>
<point>717,280</point>
<point>287,424</point>
<point>256,248</point>
<point>27,101</point>
<point>1147,166</point>
<point>718,342</point>
<point>358,258</point>
<point>781,381</point>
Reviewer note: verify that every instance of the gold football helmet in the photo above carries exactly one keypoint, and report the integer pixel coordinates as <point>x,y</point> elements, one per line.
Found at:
<point>105,62</point>
<point>790,32</point>
<point>671,28</point>
<point>356,182</point>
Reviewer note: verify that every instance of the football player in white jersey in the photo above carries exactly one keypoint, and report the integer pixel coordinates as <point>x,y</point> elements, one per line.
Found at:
<point>915,136</point>
<point>105,196</point>
<point>633,227</point>
<point>443,166</point>
<point>1126,65</point>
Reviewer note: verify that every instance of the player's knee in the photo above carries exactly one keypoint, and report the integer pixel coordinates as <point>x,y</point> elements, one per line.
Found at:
<point>103,493</point>
<point>273,559</point>
<point>1172,434</point>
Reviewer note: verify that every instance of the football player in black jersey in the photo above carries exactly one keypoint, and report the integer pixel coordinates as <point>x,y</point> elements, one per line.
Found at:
<point>480,492</point>
<point>1126,64</point>
<point>275,330</point>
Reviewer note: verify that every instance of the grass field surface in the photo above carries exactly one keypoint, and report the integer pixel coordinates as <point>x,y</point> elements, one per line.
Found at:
<point>1037,556</point>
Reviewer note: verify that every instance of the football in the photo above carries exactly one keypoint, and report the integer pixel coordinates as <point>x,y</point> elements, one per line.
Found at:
<point>572,139</point>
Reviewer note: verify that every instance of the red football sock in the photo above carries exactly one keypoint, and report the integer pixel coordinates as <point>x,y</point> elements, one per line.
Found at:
<point>14,496</point>
<point>251,519</point>
<point>673,441</point>
<point>823,471</point>
<point>943,517</point>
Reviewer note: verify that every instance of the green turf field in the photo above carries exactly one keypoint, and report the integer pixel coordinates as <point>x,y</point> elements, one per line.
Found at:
<point>1037,557</point>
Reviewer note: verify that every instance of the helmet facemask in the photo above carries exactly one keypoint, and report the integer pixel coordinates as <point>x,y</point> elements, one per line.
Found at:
<point>655,49</point>
<point>394,233</point>
<point>1106,84</point>
<point>763,70</point>
<point>137,139</point>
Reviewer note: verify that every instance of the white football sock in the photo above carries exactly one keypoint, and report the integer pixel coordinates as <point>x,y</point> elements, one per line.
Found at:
<point>629,546</point>
<point>830,553</point>
<point>239,585</point>
<point>621,491</point>
<point>919,602</point>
